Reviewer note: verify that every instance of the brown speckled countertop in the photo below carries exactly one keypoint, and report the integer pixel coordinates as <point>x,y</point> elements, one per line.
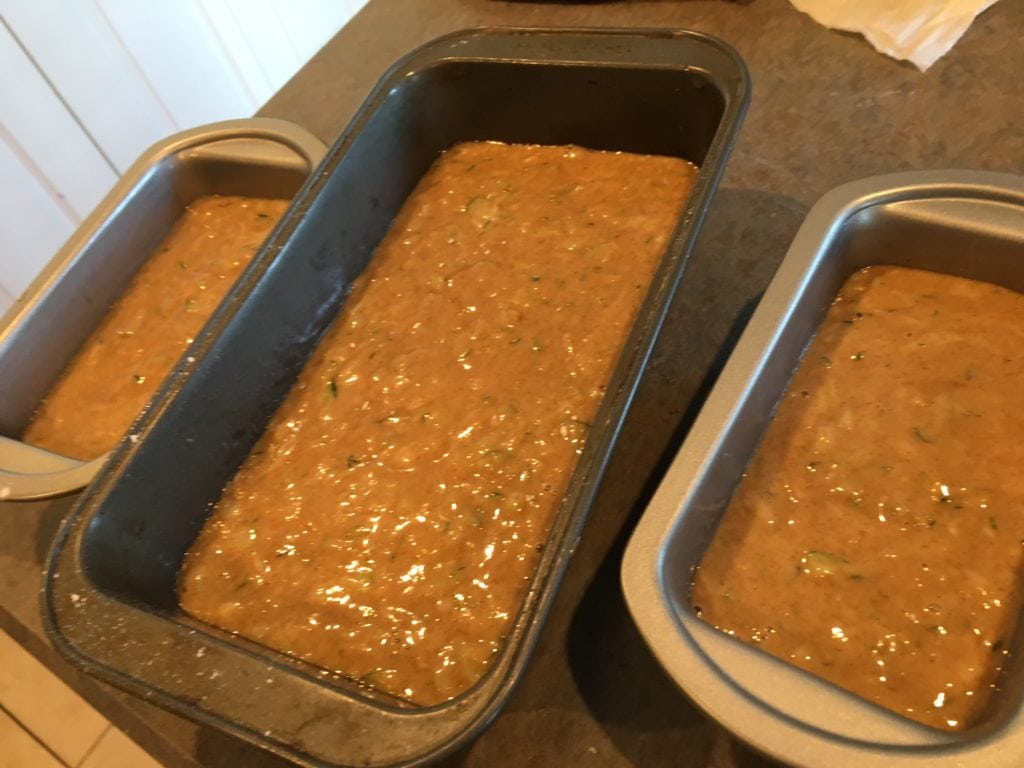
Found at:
<point>826,109</point>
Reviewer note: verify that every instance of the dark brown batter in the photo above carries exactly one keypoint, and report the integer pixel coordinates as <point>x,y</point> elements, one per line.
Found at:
<point>388,522</point>
<point>136,345</point>
<point>877,536</point>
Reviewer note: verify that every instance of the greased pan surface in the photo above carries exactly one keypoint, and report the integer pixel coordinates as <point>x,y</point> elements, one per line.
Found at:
<point>256,157</point>
<point>110,600</point>
<point>957,222</point>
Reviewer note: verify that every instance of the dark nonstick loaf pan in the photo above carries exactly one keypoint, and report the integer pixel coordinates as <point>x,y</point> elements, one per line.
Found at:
<point>969,224</point>
<point>110,601</point>
<point>256,157</point>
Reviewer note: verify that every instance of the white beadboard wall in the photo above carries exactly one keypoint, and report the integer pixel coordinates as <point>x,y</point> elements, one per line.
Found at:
<point>86,85</point>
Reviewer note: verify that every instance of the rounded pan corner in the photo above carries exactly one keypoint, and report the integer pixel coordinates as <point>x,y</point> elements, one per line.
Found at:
<point>757,705</point>
<point>67,590</point>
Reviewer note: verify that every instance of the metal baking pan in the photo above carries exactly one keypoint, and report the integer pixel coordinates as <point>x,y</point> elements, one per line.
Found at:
<point>968,224</point>
<point>39,335</point>
<point>110,598</point>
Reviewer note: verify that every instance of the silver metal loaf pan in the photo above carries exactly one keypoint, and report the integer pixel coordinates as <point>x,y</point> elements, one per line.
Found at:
<point>257,157</point>
<point>957,222</point>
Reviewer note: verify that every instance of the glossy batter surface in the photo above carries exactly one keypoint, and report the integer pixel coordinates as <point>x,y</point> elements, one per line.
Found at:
<point>123,361</point>
<point>388,522</point>
<point>876,538</point>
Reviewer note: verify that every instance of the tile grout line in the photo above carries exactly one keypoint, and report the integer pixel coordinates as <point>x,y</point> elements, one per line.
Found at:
<point>35,738</point>
<point>92,747</point>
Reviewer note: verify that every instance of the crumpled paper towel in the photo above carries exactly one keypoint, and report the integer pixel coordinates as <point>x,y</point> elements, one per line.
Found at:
<point>921,31</point>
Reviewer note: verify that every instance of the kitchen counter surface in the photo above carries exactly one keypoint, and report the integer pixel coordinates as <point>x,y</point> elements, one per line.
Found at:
<point>826,109</point>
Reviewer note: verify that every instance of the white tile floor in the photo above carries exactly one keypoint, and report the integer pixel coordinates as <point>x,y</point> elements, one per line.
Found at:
<point>44,724</point>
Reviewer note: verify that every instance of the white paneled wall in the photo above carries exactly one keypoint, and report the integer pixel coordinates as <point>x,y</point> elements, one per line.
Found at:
<point>86,85</point>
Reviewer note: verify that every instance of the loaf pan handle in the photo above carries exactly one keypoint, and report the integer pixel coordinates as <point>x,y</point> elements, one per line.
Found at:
<point>30,474</point>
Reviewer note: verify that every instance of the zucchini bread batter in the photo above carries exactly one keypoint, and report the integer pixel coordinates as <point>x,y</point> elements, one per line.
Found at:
<point>876,538</point>
<point>387,524</point>
<point>121,364</point>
